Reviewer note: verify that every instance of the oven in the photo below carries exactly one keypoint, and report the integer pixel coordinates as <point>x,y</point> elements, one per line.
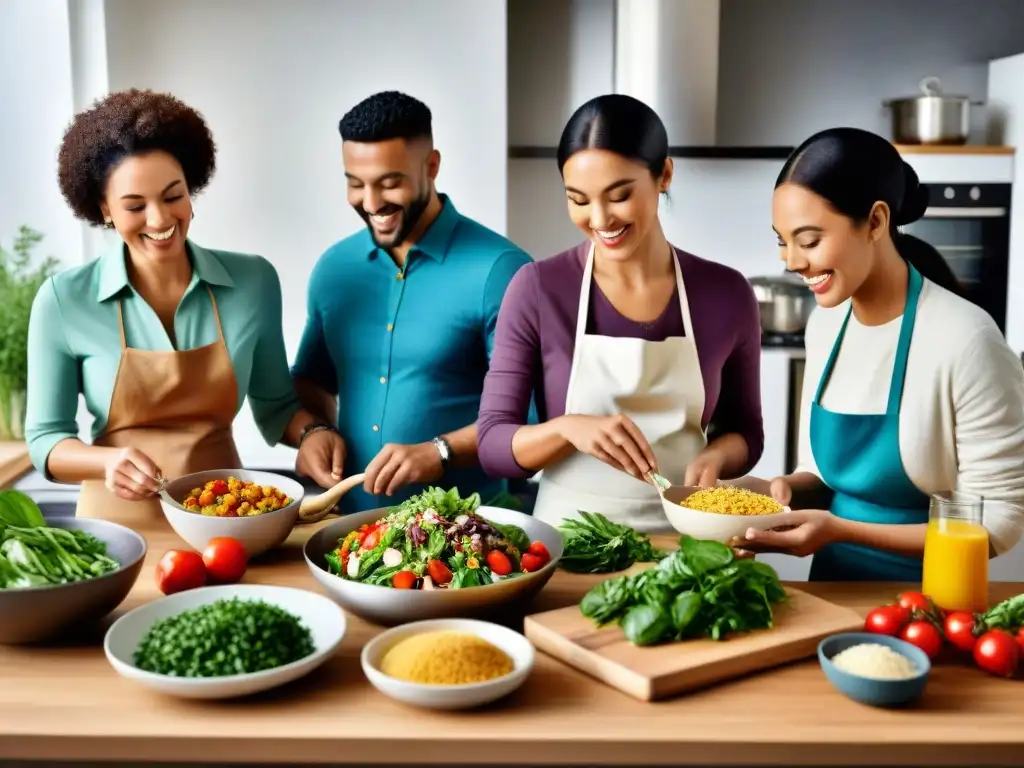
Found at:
<point>969,225</point>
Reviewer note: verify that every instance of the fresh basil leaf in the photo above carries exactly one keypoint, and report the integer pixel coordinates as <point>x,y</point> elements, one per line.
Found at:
<point>685,609</point>
<point>19,511</point>
<point>647,624</point>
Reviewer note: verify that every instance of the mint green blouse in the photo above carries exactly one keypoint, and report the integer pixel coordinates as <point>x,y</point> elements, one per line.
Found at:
<point>74,345</point>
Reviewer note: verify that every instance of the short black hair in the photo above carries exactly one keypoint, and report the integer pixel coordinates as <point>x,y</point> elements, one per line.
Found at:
<point>384,116</point>
<point>620,124</point>
<point>126,123</point>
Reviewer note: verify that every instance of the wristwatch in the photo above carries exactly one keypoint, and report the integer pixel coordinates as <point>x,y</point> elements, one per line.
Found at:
<point>315,426</point>
<point>445,449</point>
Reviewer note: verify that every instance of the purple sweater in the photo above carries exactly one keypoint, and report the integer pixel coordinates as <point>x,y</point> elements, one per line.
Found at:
<point>536,335</point>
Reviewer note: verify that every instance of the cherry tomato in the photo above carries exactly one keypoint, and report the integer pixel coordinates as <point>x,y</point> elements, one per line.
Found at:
<point>439,572</point>
<point>219,488</point>
<point>925,636</point>
<point>179,570</point>
<point>887,620</point>
<point>403,580</point>
<point>997,653</point>
<point>225,559</point>
<point>537,548</point>
<point>498,562</point>
<point>914,601</point>
<point>531,562</point>
<point>959,628</point>
<point>1020,641</point>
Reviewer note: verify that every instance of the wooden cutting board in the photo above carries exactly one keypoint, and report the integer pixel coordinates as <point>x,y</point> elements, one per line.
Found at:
<point>656,672</point>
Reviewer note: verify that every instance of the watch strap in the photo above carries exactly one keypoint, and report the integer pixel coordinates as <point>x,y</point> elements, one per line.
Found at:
<point>444,449</point>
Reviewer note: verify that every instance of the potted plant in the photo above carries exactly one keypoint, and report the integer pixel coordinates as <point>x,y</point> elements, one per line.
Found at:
<point>20,279</point>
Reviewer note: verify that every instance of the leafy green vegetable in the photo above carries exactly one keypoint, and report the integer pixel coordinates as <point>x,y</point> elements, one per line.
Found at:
<point>33,554</point>
<point>226,637</point>
<point>1007,615</point>
<point>700,589</point>
<point>594,544</point>
<point>513,533</point>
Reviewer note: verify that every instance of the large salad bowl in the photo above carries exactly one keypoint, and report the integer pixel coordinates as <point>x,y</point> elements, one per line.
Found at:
<point>384,604</point>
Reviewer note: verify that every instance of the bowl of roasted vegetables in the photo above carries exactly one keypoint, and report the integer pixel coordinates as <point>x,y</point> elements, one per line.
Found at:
<point>436,555</point>
<point>258,509</point>
<point>60,574</point>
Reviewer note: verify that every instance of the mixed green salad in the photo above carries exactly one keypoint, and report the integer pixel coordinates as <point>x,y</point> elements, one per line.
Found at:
<point>33,554</point>
<point>436,540</point>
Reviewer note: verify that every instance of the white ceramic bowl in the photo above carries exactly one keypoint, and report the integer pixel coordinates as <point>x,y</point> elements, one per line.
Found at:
<point>449,696</point>
<point>712,525</point>
<point>388,606</point>
<point>325,620</point>
<point>257,533</point>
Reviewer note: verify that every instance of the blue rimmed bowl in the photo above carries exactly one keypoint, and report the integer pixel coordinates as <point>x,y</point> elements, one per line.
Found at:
<point>873,691</point>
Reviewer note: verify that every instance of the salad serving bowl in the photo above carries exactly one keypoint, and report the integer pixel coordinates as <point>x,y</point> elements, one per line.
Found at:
<point>388,606</point>
<point>715,526</point>
<point>257,533</point>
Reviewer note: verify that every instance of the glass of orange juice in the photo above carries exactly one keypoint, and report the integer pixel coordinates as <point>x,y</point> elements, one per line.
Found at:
<point>956,553</point>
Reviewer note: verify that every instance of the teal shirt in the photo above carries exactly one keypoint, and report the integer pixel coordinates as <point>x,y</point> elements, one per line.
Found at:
<point>406,350</point>
<point>74,345</point>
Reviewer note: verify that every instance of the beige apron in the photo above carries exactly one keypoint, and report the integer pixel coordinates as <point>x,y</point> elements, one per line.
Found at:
<point>658,384</point>
<point>175,407</point>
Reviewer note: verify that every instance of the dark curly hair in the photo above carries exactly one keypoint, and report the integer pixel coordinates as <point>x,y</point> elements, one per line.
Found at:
<point>386,115</point>
<point>127,123</point>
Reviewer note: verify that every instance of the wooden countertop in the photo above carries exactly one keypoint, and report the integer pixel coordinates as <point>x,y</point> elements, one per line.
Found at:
<point>14,463</point>
<point>954,149</point>
<point>66,702</point>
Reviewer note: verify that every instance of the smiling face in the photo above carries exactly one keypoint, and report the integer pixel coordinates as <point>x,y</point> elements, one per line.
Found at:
<point>612,199</point>
<point>148,202</point>
<point>390,184</point>
<point>833,253</point>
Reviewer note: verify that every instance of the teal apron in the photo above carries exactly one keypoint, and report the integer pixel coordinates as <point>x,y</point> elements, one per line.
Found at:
<point>858,457</point>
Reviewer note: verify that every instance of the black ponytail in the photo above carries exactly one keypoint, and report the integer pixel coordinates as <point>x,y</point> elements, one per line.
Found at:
<point>854,169</point>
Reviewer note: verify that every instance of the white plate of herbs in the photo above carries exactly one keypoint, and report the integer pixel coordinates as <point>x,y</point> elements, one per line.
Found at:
<point>225,641</point>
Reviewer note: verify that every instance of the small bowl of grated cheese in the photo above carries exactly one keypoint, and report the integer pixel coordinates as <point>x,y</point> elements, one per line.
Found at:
<point>877,670</point>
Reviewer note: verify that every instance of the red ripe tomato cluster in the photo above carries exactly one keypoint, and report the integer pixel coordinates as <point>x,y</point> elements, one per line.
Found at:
<point>994,639</point>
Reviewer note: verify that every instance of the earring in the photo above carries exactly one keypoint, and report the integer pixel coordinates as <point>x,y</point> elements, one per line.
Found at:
<point>108,223</point>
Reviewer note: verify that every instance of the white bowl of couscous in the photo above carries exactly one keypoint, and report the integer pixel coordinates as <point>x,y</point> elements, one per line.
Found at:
<point>722,512</point>
<point>257,529</point>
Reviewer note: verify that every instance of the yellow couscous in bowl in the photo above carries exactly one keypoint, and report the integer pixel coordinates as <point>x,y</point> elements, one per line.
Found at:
<point>721,512</point>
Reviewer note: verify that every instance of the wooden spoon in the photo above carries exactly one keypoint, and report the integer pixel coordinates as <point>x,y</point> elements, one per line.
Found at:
<point>315,508</point>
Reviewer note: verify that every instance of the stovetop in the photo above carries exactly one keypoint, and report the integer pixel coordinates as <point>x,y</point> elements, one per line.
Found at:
<point>783,340</point>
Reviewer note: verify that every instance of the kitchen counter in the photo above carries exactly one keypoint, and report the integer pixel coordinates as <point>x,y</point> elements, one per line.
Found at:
<point>65,702</point>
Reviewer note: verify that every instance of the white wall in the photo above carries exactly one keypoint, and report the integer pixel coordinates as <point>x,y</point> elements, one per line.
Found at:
<point>35,108</point>
<point>273,79</point>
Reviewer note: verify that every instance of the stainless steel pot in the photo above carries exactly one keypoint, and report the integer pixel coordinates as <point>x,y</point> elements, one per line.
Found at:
<point>931,118</point>
<point>785,303</point>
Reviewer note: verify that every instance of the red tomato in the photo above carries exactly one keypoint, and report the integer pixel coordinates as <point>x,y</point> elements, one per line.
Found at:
<point>914,601</point>
<point>531,562</point>
<point>537,548</point>
<point>403,580</point>
<point>225,559</point>
<point>887,620</point>
<point>1020,641</point>
<point>219,488</point>
<point>179,570</point>
<point>498,562</point>
<point>439,572</point>
<point>371,538</point>
<point>997,653</point>
<point>959,628</point>
<point>925,636</point>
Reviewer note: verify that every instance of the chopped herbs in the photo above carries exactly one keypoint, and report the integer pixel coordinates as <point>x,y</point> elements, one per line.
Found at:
<point>226,637</point>
<point>701,589</point>
<point>594,544</point>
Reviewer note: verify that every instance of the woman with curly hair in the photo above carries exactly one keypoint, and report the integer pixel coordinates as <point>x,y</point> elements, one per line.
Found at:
<point>163,338</point>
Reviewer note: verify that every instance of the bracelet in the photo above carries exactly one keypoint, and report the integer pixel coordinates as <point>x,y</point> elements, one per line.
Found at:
<point>444,448</point>
<point>316,426</point>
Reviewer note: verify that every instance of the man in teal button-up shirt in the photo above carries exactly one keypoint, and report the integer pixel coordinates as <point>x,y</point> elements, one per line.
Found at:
<point>401,316</point>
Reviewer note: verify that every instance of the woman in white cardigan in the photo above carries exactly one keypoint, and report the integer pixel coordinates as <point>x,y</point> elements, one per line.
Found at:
<point>909,388</point>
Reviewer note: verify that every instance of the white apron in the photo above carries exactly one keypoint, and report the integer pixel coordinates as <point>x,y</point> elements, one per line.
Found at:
<point>657,384</point>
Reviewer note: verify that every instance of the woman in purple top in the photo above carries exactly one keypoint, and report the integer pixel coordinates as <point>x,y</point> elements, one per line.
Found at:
<point>634,350</point>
